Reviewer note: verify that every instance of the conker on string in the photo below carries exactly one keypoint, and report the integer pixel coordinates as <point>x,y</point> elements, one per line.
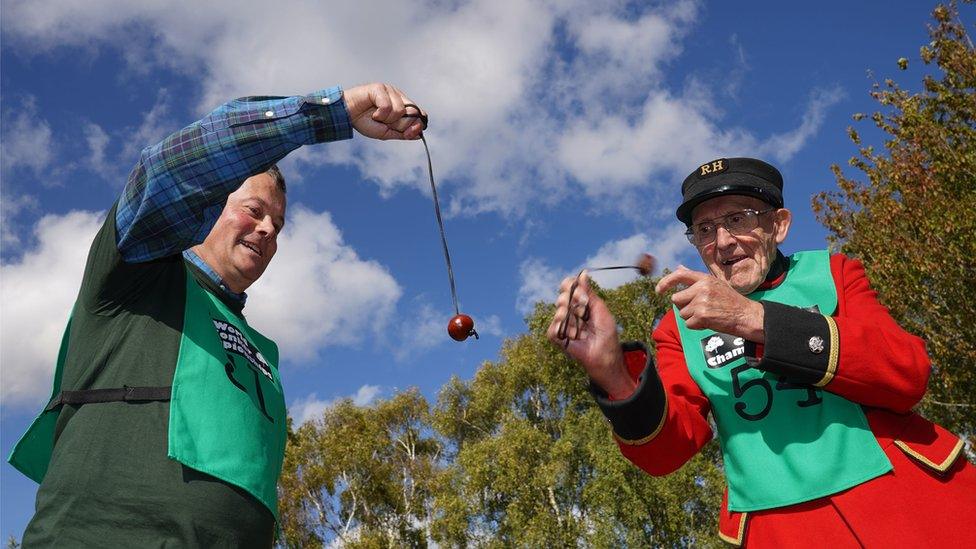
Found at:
<point>461,327</point>
<point>645,265</point>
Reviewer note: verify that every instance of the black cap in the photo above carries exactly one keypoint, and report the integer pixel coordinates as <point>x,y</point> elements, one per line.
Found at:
<point>746,176</point>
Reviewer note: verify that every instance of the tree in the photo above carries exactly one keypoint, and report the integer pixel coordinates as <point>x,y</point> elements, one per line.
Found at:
<point>913,220</point>
<point>361,475</point>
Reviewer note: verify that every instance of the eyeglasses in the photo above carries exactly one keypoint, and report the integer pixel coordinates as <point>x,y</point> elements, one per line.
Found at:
<point>737,223</point>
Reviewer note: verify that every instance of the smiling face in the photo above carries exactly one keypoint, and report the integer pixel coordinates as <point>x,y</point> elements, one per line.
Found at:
<point>245,237</point>
<point>742,260</point>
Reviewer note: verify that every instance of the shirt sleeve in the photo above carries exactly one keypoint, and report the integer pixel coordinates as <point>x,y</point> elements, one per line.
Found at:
<point>664,423</point>
<point>178,188</point>
<point>860,353</point>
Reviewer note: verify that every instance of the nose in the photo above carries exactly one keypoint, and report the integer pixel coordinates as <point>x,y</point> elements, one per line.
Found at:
<point>266,227</point>
<point>724,238</point>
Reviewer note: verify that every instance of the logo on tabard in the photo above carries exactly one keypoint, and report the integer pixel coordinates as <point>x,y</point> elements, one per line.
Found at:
<point>235,342</point>
<point>721,349</point>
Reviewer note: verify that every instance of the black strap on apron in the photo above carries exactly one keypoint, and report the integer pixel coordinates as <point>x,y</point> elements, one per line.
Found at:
<point>121,394</point>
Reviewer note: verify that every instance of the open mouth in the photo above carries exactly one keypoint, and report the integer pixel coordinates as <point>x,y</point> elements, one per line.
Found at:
<point>251,247</point>
<point>732,261</point>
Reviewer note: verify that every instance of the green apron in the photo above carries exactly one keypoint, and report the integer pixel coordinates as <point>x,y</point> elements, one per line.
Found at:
<point>227,413</point>
<point>782,443</point>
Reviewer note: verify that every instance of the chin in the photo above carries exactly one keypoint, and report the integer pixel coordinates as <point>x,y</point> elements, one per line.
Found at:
<point>744,284</point>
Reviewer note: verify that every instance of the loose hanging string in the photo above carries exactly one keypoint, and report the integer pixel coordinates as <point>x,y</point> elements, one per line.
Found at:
<point>437,206</point>
<point>644,266</point>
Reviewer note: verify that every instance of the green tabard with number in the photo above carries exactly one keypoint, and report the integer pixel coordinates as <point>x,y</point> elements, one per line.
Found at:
<point>781,443</point>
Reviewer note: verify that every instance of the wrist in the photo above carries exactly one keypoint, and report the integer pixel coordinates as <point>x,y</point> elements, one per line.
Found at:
<point>754,323</point>
<point>619,385</point>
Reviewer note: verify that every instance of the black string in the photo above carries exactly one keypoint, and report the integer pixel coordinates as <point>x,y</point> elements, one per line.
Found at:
<point>581,320</point>
<point>437,207</point>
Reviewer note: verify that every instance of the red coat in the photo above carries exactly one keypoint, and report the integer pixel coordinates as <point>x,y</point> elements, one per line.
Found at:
<point>880,366</point>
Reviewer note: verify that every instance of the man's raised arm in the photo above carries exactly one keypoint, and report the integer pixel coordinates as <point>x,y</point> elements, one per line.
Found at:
<point>176,191</point>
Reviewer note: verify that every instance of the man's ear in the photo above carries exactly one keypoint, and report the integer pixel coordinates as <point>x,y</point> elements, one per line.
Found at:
<point>782,219</point>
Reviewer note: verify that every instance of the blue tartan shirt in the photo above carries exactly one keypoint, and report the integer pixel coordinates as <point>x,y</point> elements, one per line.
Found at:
<point>177,190</point>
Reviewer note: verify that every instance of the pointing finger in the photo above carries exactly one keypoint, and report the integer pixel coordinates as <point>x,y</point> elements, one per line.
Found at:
<point>682,275</point>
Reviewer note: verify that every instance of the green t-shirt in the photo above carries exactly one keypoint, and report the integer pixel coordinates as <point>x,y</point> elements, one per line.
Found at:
<point>109,482</point>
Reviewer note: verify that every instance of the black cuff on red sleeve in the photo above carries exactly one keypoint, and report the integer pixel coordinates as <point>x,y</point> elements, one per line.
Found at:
<point>639,418</point>
<point>800,345</point>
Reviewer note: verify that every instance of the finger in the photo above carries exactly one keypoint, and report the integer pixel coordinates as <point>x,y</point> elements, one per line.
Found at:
<point>584,281</point>
<point>396,106</point>
<point>414,130</point>
<point>682,275</point>
<point>684,297</point>
<point>381,99</point>
<point>566,283</point>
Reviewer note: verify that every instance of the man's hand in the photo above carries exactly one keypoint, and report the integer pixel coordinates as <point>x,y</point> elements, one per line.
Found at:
<point>377,111</point>
<point>710,303</point>
<point>593,342</point>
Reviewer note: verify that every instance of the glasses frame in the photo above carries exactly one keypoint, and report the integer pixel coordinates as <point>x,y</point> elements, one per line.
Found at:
<point>722,221</point>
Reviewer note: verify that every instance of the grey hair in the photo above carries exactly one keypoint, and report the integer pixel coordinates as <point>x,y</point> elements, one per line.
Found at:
<point>279,179</point>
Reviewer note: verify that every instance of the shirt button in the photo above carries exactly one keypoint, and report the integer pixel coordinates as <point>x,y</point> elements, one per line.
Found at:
<point>269,114</point>
<point>816,345</point>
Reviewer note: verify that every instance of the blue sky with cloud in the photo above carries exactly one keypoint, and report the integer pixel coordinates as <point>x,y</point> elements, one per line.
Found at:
<point>560,132</point>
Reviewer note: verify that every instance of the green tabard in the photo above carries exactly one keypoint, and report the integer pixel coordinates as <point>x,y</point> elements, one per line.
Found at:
<point>781,443</point>
<point>227,414</point>
<point>233,431</point>
<point>32,453</point>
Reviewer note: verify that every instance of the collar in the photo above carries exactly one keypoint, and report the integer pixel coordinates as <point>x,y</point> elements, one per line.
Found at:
<point>777,272</point>
<point>199,263</point>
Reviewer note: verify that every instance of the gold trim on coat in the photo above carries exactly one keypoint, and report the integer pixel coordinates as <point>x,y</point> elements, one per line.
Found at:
<point>940,467</point>
<point>834,353</point>
<point>736,541</point>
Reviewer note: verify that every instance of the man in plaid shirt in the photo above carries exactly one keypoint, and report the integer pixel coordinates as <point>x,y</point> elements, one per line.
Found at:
<point>123,458</point>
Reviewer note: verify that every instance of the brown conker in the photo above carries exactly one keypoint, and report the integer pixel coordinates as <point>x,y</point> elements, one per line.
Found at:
<point>645,264</point>
<point>461,327</point>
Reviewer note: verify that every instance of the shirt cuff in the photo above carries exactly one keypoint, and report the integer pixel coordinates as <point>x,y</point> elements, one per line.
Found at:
<point>329,106</point>
<point>640,417</point>
<point>801,345</point>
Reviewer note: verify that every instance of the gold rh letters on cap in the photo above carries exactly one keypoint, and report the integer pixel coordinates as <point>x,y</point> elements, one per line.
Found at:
<point>712,167</point>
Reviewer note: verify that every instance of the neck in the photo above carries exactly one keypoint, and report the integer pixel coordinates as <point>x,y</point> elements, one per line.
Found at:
<point>204,253</point>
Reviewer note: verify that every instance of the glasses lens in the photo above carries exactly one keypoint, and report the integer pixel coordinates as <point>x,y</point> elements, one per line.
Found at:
<point>704,233</point>
<point>741,222</point>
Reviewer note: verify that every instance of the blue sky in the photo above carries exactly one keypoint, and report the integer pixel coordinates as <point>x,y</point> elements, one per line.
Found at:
<point>560,133</point>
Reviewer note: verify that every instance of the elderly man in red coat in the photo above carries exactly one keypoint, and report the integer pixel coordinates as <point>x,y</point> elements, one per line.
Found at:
<point>810,382</point>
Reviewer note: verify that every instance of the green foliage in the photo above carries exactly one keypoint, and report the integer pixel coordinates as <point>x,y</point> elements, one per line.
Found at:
<point>360,474</point>
<point>517,456</point>
<point>913,220</point>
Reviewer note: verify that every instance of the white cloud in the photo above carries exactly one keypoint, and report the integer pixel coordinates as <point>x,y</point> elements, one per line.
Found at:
<point>783,146</point>
<point>11,206</point>
<point>27,140</point>
<point>311,407</point>
<point>422,329</point>
<point>529,101</point>
<point>318,292</point>
<point>97,140</point>
<point>490,325</point>
<point>155,125</point>
<point>540,282</point>
<point>36,295</point>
